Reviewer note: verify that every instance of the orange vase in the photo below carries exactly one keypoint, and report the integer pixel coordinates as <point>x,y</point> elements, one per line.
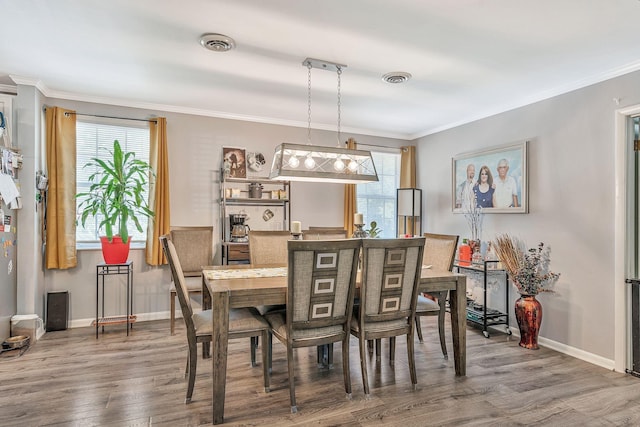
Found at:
<point>529,316</point>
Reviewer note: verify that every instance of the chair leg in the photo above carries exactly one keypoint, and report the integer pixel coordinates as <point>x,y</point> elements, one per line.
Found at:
<point>292,384</point>
<point>443,344</point>
<point>363,366</point>
<point>378,349</point>
<point>345,365</point>
<point>172,315</point>
<point>419,328</point>
<point>265,360</point>
<point>412,360</point>
<point>370,346</point>
<point>193,362</point>
<point>270,351</point>
<point>253,351</point>
<point>392,350</point>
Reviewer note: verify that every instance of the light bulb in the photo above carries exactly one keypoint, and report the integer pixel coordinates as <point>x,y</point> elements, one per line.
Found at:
<point>309,162</point>
<point>294,162</point>
<point>338,165</point>
<point>353,166</point>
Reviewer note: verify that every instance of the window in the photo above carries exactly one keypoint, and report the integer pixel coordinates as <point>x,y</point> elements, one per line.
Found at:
<point>377,200</point>
<point>93,139</point>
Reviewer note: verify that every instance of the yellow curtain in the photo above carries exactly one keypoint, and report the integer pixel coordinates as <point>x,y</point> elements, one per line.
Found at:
<point>408,167</point>
<point>407,177</point>
<point>158,191</point>
<point>60,248</point>
<point>350,197</point>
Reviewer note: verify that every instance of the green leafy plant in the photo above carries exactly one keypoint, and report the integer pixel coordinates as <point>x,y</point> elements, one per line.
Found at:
<point>116,192</point>
<point>373,231</point>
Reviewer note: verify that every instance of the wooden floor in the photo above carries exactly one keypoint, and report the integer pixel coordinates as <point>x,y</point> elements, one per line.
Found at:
<point>71,379</point>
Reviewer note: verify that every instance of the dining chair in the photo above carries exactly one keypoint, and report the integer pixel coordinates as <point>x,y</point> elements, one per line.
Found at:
<point>321,285</point>
<point>243,322</point>
<point>388,293</point>
<point>439,253</point>
<point>194,246</point>
<point>268,248</point>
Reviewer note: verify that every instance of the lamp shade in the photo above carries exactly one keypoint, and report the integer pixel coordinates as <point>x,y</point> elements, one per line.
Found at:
<point>409,208</point>
<point>297,162</point>
<point>409,202</point>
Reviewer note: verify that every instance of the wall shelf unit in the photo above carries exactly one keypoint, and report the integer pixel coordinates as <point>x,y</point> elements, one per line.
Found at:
<point>265,202</point>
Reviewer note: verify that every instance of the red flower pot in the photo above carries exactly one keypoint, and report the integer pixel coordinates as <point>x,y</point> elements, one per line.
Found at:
<point>115,252</point>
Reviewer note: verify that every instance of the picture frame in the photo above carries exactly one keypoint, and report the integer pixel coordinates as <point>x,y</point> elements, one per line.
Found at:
<point>256,164</point>
<point>234,162</point>
<point>505,188</point>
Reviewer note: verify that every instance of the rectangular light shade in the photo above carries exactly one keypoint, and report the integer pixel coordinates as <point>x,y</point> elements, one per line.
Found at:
<point>313,163</point>
<point>409,202</point>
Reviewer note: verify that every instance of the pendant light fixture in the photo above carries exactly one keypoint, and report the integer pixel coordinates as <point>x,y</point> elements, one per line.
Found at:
<point>300,162</point>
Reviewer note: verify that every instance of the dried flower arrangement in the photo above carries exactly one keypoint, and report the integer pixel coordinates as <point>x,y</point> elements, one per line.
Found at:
<point>528,268</point>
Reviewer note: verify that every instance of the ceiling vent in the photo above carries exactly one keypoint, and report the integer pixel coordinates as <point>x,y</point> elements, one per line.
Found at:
<point>217,42</point>
<point>396,77</point>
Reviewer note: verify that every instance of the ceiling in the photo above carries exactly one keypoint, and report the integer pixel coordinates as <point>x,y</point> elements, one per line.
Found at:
<point>469,58</point>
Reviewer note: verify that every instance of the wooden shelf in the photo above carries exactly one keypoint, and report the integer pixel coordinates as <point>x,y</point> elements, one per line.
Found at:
<point>114,320</point>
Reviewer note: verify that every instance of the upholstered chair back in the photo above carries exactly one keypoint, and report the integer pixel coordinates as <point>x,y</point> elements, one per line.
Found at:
<point>440,251</point>
<point>268,247</point>
<point>195,246</point>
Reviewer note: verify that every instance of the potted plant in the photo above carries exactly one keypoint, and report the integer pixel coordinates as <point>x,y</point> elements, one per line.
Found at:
<point>115,197</point>
<point>528,269</point>
<point>374,231</point>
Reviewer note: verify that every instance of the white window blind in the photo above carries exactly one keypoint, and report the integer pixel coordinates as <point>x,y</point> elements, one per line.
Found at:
<point>95,139</point>
<point>377,200</point>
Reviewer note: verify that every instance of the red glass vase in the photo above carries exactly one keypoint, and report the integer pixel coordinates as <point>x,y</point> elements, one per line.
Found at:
<point>529,316</point>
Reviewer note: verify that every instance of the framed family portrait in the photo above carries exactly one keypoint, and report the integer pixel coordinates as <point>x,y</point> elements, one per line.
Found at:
<point>494,179</point>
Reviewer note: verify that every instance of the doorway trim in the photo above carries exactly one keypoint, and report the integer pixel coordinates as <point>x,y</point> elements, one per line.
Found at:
<point>622,316</point>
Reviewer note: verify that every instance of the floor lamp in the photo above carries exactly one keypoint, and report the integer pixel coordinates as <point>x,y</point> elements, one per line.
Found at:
<point>409,208</point>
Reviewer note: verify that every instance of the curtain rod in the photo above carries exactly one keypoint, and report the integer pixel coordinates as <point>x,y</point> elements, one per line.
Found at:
<point>379,146</point>
<point>108,117</point>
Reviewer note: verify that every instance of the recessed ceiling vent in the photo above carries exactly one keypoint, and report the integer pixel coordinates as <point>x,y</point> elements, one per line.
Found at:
<point>396,77</point>
<point>217,42</point>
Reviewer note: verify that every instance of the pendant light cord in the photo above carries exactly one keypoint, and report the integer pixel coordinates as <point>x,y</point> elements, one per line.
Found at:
<point>309,103</point>
<point>339,72</point>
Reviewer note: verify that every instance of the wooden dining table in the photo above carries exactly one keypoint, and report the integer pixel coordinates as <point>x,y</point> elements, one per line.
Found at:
<point>235,290</point>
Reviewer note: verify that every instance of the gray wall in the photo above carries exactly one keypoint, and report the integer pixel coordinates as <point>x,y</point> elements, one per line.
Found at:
<point>571,201</point>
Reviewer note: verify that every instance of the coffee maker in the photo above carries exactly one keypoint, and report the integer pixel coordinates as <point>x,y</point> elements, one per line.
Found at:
<point>239,230</point>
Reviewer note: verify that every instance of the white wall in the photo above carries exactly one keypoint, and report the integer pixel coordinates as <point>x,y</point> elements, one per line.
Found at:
<point>195,151</point>
<point>571,200</point>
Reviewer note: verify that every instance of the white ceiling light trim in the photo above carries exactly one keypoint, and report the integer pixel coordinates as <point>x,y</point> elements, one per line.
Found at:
<point>217,42</point>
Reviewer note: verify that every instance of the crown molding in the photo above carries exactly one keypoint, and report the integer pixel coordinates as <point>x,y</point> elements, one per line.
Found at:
<point>212,113</point>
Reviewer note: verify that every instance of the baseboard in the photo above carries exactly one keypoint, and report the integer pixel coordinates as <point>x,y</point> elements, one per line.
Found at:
<point>572,351</point>
<point>142,317</point>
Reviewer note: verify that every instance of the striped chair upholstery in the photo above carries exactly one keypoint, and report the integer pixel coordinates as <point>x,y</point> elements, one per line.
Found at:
<point>388,293</point>
<point>320,293</point>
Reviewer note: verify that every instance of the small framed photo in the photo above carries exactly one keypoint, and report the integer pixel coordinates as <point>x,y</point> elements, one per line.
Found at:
<point>494,179</point>
<point>234,162</point>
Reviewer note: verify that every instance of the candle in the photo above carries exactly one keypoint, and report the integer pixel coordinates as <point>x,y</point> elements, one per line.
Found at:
<point>296,227</point>
<point>358,219</point>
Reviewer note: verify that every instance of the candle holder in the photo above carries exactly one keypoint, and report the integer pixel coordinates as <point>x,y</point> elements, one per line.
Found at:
<point>359,233</point>
<point>296,236</point>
